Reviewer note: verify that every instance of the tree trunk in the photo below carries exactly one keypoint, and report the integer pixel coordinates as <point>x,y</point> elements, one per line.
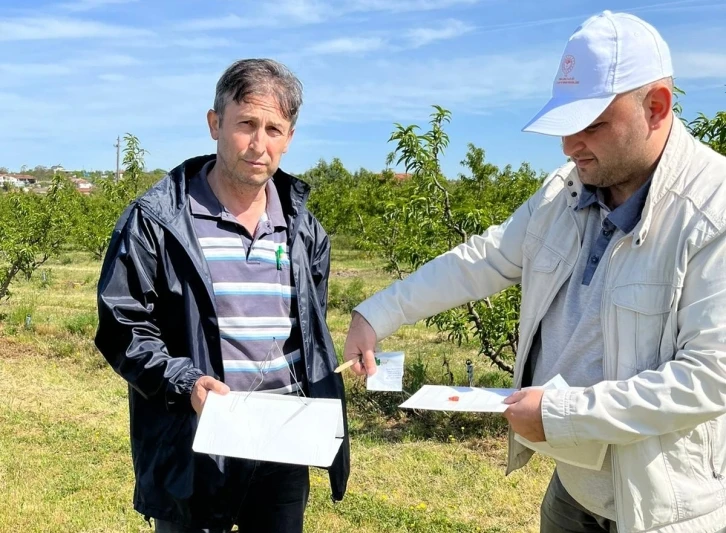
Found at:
<point>11,272</point>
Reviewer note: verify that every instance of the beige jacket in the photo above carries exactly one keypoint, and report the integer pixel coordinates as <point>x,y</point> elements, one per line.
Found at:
<point>663,404</point>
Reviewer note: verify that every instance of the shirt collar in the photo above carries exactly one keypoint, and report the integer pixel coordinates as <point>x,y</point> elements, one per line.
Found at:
<point>274,207</point>
<point>627,215</point>
<point>203,201</point>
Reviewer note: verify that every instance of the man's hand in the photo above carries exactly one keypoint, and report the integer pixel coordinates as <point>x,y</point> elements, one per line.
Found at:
<point>525,414</point>
<point>361,340</point>
<point>202,387</point>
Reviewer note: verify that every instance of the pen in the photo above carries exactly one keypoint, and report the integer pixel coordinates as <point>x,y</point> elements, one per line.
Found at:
<point>278,257</point>
<point>347,364</point>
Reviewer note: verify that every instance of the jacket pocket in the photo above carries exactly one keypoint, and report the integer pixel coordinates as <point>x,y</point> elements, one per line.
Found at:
<point>541,258</point>
<point>716,446</point>
<point>641,311</point>
<point>688,460</point>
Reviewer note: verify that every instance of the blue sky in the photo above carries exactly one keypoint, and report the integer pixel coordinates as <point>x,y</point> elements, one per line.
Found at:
<point>74,74</point>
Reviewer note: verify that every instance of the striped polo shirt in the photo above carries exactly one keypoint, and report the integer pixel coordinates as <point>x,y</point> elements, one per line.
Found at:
<point>254,292</point>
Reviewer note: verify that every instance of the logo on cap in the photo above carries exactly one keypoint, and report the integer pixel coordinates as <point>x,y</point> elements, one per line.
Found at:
<point>568,63</point>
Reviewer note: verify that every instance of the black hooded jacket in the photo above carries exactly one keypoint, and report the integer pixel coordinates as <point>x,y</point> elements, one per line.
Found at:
<point>158,330</point>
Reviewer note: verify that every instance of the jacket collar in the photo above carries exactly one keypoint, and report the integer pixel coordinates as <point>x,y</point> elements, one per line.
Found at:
<point>169,197</point>
<point>678,152</point>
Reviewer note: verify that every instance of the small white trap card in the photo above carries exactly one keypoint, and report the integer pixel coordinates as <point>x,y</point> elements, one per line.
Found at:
<point>389,376</point>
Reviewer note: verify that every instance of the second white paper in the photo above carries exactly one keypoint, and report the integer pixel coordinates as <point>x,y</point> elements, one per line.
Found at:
<point>389,374</point>
<point>445,398</point>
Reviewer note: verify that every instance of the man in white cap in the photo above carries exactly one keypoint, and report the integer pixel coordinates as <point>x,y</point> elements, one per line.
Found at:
<point>622,259</point>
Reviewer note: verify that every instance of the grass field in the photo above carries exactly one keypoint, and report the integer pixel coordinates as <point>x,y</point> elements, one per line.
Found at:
<point>64,447</point>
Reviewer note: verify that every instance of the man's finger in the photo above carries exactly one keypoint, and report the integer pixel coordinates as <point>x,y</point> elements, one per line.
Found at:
<point>219,387</point>
<point>358,368</point>
<point>515,397</point>
<point>369,362</point>
<point>208,383</point>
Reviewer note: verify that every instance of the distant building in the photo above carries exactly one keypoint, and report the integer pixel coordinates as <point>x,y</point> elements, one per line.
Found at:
<point>25,179</point>
<point>17,180</point>
<point>7,179</point>
<point>82,185</point>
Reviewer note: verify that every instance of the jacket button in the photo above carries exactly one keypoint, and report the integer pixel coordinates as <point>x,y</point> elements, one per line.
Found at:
<point>569,183</point>
<point>574,194</point>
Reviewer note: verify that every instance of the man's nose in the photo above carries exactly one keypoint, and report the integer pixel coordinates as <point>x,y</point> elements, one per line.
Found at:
<point>258,141</point>
<point>571,144</point>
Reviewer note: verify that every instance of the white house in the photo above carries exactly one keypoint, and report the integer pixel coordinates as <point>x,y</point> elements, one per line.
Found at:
<point>82,185</point>
<point>10,180</point>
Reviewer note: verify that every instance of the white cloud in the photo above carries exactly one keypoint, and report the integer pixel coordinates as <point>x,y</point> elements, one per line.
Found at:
<point>18,72</point>
<point>699,65</point>
<point>227,22</point>
<point>405,5</point>
<point>203,43</point>
<point>102,61</point>
<point>302,12</point>
<point>281,13</point>
<point>449,30</point>
<point>406,90</point>
<point>88,5</point>
<point>112,78</point>
<point>46,28</point>
<point>347,45</point>
<point>677,5</point>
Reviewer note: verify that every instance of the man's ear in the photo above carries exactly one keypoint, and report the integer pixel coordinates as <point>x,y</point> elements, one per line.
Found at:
<point>289,140</point>
<point>213,122</point>
<point>659,104</point>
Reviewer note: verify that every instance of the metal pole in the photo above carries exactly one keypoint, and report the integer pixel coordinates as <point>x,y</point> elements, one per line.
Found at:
<point>118,154</point>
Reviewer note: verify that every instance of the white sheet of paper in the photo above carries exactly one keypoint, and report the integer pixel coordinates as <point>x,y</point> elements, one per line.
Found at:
<point>389,375</point>
<point>587,455</point>
<point>271,427</point>
<point>445,398</point>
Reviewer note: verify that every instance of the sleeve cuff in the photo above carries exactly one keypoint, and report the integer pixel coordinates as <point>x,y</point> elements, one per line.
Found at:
<point>178,396</point>
<point>378,317</point>
<point>557,419</point>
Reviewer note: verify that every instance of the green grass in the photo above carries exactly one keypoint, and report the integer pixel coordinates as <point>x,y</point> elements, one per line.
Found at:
<point>64,445</point>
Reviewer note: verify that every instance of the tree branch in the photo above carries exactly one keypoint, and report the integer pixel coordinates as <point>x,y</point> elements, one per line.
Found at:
<point>495,357</point>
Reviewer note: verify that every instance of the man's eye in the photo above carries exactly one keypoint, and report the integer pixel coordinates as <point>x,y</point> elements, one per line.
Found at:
<point>593,127</point>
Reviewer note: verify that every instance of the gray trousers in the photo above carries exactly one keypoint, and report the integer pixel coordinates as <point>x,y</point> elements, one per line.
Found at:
<point>560,513</point>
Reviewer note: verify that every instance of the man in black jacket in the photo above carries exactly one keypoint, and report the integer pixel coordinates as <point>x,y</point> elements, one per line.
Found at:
<point>216,280</point>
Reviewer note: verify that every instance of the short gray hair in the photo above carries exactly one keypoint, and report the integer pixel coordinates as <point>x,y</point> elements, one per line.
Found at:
<point>640,93</point>
<point>261,77</point>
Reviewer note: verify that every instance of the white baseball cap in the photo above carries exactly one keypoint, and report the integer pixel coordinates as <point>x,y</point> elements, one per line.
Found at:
<point>609,54</point>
